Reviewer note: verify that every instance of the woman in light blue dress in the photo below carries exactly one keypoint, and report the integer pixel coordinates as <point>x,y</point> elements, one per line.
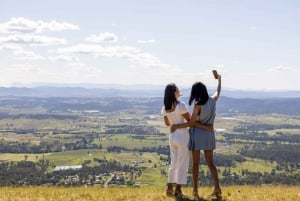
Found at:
<point>204,112</point>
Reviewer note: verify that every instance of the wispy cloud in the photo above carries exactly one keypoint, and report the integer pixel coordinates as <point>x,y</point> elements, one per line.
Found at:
<point>146,41</point>
<point>102,37</point>
<point>281,68</point>
<point>129,53</point>
<point>65,58</point>
<point>32,40</point>
<point>27,55</point>
<point>21,69</point>
<point>10,47</point>
<point>23,25</point>
<point>20,53</point>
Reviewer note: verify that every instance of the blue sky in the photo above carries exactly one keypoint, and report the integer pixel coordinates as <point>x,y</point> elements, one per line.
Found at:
<point>255,44</point>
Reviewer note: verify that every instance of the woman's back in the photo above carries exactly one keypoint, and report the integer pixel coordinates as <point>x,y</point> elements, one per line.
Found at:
<point>208,112</point>
<point>175,117</point>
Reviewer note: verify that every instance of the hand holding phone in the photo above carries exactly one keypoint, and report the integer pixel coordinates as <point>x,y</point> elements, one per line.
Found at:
<point>215,73</point>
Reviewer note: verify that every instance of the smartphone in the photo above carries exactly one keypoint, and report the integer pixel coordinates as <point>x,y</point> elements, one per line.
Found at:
<point>215,73</point>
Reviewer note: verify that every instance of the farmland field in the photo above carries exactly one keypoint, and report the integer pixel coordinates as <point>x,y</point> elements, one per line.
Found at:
<point>74,135</point>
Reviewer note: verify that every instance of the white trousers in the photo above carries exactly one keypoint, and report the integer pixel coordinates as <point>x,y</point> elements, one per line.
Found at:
<point>180,154</point>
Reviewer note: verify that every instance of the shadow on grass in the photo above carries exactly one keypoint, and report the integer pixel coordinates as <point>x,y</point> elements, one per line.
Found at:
<point>184,198</point>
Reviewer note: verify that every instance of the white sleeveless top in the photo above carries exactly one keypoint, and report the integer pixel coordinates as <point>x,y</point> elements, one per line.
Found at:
<point>175,117</point>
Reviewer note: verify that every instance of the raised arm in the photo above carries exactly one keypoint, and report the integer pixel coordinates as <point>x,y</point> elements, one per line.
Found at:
<point>217,93</point>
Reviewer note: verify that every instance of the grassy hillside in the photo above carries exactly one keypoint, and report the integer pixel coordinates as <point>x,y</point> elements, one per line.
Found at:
<point>152,193</point>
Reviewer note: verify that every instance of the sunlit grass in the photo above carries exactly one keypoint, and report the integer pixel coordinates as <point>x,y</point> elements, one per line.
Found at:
<point>147,193</point>
<point>21,156</point>
<point>152,176</point>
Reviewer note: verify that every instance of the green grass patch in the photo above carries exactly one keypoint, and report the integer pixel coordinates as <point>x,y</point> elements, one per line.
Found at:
<point>254,165</point>
<point>152,176</point>
<point>130,142</point>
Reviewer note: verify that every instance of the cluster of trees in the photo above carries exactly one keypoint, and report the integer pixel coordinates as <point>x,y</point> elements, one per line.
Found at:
<point>27,147</point>
<point>219,159</point>
<point>21,173</point>
<point>260,137</point>
<point>276,152</point>
<point>248,178</point>
<point>46,146</point>
<point>257,133</point>
<point>133,129</point>
<point>30,173</point>
<point>159,150</point>
<point>107,104</point>
<point>247,127</point>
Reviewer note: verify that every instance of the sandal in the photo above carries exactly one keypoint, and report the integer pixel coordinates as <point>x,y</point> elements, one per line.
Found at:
<point>196,195</point>
<point>178,194</point>
<point>169,193</point>
<point>217,193</point>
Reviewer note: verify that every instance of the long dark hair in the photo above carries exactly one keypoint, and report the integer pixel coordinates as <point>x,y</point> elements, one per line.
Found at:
<point>169,98</point>
<point>199,94</point>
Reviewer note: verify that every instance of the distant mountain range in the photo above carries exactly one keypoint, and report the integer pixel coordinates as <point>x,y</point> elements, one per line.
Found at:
<point>96,91</point>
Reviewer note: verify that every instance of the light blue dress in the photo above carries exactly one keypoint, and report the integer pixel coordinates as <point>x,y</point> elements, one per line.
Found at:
<point>201,139</point>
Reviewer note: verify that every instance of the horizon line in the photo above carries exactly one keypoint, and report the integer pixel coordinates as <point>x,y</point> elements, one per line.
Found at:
<point>133,86</point>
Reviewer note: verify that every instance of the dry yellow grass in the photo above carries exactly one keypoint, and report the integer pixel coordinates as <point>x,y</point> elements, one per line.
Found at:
<point>152,193</point>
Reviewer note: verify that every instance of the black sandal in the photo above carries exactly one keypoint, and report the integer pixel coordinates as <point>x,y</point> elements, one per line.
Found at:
<point>169,193</point>
<point>217,193</point>
<point>178,194</point>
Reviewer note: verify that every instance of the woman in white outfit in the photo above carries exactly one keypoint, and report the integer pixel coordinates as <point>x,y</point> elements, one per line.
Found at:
<point>176,112</point>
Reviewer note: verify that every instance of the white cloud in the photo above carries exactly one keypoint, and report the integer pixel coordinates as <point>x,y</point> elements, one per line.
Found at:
<point>32,40</point>
<point>23,73</point>
<point>65,58</point>
<point>132,54</point>
<point>27,55</point>
<point>281,69</point>
<point>103,37</point>
<point>82,69</point>
<point>23,25</point>
<point>10,47</point>
<point>253,28</point>
<point>146,41</point>
<point>21,70</point>
<point>20,53</point>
